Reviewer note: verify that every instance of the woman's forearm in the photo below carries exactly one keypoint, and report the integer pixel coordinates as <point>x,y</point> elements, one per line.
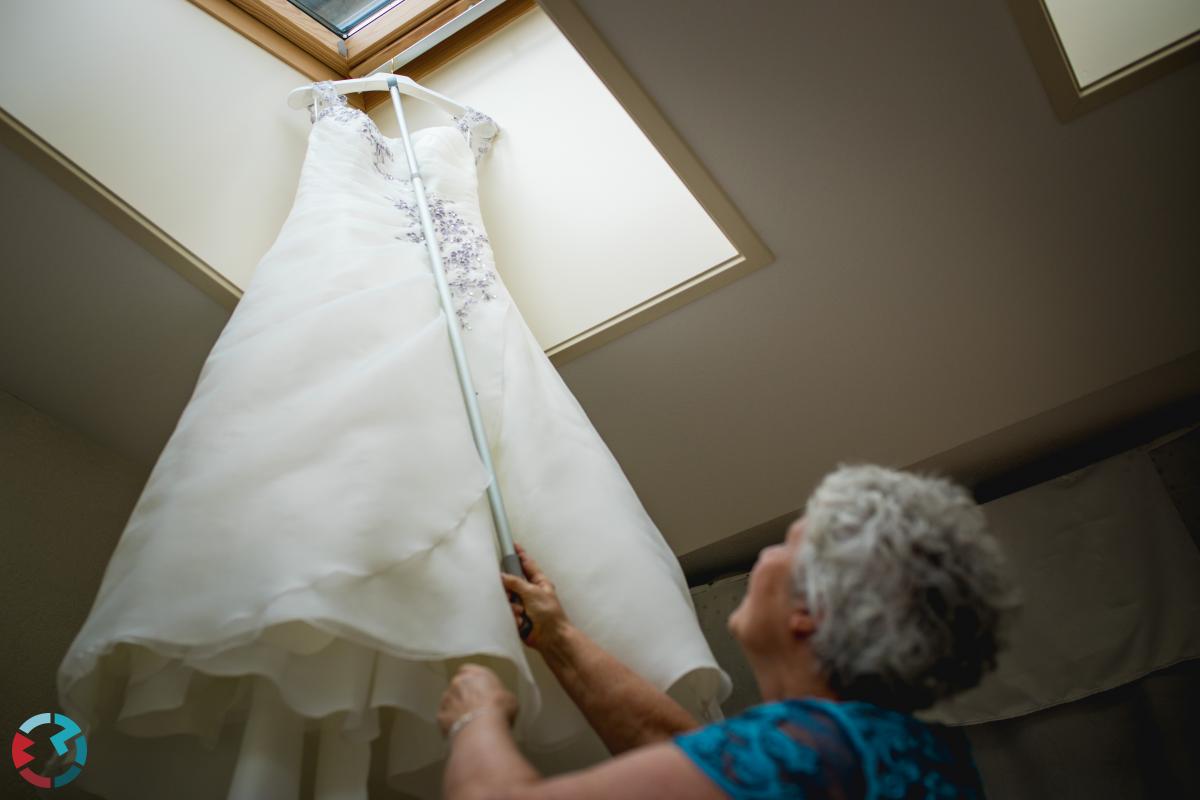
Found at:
<point>484,762</point>
<point>625,709</point>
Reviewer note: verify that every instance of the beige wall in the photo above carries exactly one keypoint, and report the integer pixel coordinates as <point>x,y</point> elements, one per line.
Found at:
<point>181,117</point>
<point>64,501</point>
<point>586,219</point>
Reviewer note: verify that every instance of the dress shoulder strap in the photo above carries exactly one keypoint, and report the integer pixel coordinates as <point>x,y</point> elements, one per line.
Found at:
<point>479,129</point>
<point>327,100</point>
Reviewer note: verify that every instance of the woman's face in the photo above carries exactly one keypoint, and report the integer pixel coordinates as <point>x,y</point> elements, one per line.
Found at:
<point>761,623</point>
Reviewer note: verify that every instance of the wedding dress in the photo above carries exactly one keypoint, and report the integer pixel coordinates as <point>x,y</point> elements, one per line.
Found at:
<point>313,554</point>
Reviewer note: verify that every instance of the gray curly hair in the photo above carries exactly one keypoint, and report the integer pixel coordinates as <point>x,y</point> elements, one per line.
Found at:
<point>907,584</point>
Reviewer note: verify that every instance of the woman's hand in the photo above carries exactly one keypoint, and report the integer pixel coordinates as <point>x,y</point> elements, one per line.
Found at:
<point>538,600</point>
<point>475,688</point>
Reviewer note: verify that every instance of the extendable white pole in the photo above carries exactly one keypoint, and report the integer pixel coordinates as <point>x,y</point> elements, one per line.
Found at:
<point>509,562</point>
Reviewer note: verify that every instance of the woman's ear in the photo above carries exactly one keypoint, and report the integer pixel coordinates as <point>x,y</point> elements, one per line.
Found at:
<point>801,623</point>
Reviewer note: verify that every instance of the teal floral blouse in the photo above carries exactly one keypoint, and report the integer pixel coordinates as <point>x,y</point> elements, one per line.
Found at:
<point>824,749</point>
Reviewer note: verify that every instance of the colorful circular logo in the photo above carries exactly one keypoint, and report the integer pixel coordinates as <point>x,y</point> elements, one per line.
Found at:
<point>69,736</point>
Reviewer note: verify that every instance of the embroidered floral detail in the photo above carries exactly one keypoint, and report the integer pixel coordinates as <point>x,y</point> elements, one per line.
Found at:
<point>463,248</point>
<point>478,129</point>
<point>328,102</point>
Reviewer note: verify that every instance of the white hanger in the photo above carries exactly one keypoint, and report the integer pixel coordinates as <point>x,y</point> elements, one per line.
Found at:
<point>301,96</point>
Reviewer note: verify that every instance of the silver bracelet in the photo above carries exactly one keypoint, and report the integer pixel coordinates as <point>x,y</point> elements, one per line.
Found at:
<point>457,725</point>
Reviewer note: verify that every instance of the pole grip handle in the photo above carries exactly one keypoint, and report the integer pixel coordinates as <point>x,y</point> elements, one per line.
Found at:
<point>510,564</point>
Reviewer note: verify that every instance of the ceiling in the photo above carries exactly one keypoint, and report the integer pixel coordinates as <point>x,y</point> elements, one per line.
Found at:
<point>953,266</point>
<point>961,280</point>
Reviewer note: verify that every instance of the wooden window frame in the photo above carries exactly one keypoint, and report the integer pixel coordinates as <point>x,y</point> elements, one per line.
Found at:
<point>1069,99</point>
<point>297,39</point>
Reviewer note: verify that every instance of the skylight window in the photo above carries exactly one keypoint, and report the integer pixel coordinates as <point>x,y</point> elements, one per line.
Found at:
<point>338,39</point>
<point>344,17</point>
<point>1089,52</point>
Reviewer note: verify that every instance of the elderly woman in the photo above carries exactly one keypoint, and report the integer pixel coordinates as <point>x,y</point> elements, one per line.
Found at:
<point>883,598</point>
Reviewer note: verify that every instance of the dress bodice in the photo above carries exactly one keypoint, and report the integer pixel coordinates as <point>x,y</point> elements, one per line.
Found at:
<point>477,129</point>
<point>447,157</point>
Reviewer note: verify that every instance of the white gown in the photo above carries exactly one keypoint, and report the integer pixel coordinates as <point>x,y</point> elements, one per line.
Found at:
<point>313,553</point>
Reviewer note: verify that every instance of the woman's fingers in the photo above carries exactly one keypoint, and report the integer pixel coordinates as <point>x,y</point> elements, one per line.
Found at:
<point>532,570</point>
<point>515,583</point>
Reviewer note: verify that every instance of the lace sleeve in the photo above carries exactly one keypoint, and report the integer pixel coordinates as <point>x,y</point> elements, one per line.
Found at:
<point>478,129</point>
<point>790,749</point>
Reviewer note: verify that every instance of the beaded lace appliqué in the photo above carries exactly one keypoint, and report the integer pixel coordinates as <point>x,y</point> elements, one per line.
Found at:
<point>478,129</point>
<point>463,248</point>
<point>328,102</point>
<point>469,275</point>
